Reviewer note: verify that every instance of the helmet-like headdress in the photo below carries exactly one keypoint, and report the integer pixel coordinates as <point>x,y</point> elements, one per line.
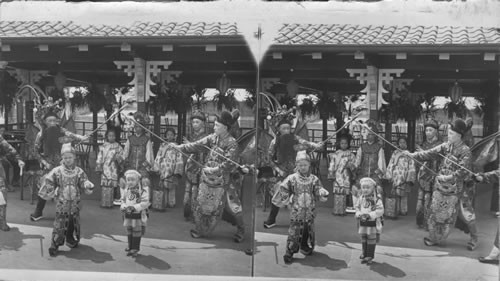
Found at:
<point>281,116</point>
<point>198,114</point>
<point>48,108</point>
<point>141,118</point>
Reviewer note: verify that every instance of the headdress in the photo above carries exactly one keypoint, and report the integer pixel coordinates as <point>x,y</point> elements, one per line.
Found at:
<point>367,180</point>
<point>302,155</point>
<point>198,114</point>
<point>49,107</point>
<point>459,126</point>
<point>133,173</point>
<point>431,123</point>
<point>67,148</point>
<point>226,118</point>
<point>141,118</point>
<point>281,116</point>
<point>373,125</point>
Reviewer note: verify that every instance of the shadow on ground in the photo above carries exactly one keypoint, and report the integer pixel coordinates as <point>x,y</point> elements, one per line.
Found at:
<point>84,252</point>
<point>13,240</point>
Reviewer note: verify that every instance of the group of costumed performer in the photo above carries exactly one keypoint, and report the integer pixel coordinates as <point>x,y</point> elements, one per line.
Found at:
<point>283,151</point>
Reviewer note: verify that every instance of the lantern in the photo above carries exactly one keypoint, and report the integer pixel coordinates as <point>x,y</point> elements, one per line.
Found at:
<point>456,93</point>
<point>292,88</point>
<point>223,84</point>
<point>59,81</point>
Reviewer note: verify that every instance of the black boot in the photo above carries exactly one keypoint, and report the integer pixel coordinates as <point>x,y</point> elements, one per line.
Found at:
<point>363,251</point>
<point>271,220</point>
<point>240,232</point>
<point>40,205</point>
<point>129,243</point>
<point>288,258</point>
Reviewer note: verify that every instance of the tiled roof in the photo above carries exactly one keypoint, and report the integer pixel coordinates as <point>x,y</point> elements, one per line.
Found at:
<point>152,29</point>
<point>345,34</point>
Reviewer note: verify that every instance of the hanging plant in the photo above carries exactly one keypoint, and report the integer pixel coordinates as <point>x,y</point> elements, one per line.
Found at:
<point>480,108</point>
<point>8,89</point>
<point>226,100</point>
<point>401,105</point>
<point>199,98</point>
<point>251,99</point>
<point>95,98</point>
<point>308,107</point>
<point>78,98</point>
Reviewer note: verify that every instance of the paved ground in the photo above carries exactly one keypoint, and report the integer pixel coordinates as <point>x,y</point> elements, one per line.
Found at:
<point>400,255</point>
<point>168,249</point>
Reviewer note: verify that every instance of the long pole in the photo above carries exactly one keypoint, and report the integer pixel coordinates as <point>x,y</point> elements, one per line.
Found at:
<point>257,116</point>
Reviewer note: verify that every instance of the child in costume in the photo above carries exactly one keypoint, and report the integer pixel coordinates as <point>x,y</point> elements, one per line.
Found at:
<point>66,183</point>
<point>107,165</point>
<point>48,144</point>
<point>170,165</point>
<point>401,173</point>
<point>340,173</point>
<point>6,150</point>
<point>369,211</point>
<point>135,203</point>
<point>299,190</point>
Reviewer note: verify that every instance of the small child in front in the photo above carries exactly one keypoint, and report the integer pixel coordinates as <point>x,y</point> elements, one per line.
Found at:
<point>66,183</point>
<point>135,203</point>
<point>369,211</point>
<point>299,190</point>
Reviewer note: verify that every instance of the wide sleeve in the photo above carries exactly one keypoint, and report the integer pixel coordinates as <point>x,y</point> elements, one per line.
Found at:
<point>227,164</point>
<point>430,154</point>
<point>179,164</point>
<point>198,146</point>
<point>100,159</point>
<point>412,171</point>
<point>159,157</point>
<point>126,150</point>
<point>309,145</point>
<point>390,166</point>
<point>492,176</point>
<point>271,153</point>
<point>282,196</point>
<point>49,185</point>
<point>460,173</point>
<point>144,204</point>
<point>10,151</point>
<point>359,157</point>
<point>319,190</point>
<point>73,136</point>
<point>84,183</point>
<point>379,210</point>
<point>38,146</point>
<point>381,163</point>
<point>150,156</point>
<point>333,167</point>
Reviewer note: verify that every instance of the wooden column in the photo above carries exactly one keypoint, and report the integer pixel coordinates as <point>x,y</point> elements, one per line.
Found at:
<point>140,83</point>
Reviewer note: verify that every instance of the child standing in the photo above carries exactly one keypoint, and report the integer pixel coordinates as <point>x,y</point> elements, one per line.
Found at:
<point>135,203</point>
<point>369,212</point>
<point>108,168</point>
<point>401,173</point>
<point>170,165</point>
<point>340,173</point>
<point>299,190</point>
<point>65,183</point>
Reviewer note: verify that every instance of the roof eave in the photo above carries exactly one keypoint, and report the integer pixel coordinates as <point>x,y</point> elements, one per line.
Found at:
<point>121,39</point>
<point>385,48</point>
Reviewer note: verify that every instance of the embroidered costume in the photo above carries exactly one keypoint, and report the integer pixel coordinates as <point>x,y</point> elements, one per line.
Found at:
<point>6,150</point>
<point>135,203</point>
<point>214,193</point>
<point>299,192</point>
<point>340,172</point>
<point>445,197</point>
<point>48,144</point>
<point>370,162</point>
<point>401,173</point>
<point>192,169</point>
<point>65,184</point>
<point>426,178</point>
<point>369,212</point>
<point>138,151</point>
<point>107,163</point>
<point>170,165</point>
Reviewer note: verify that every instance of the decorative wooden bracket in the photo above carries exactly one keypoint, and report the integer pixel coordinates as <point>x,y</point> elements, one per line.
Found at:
<point>142,72</point>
